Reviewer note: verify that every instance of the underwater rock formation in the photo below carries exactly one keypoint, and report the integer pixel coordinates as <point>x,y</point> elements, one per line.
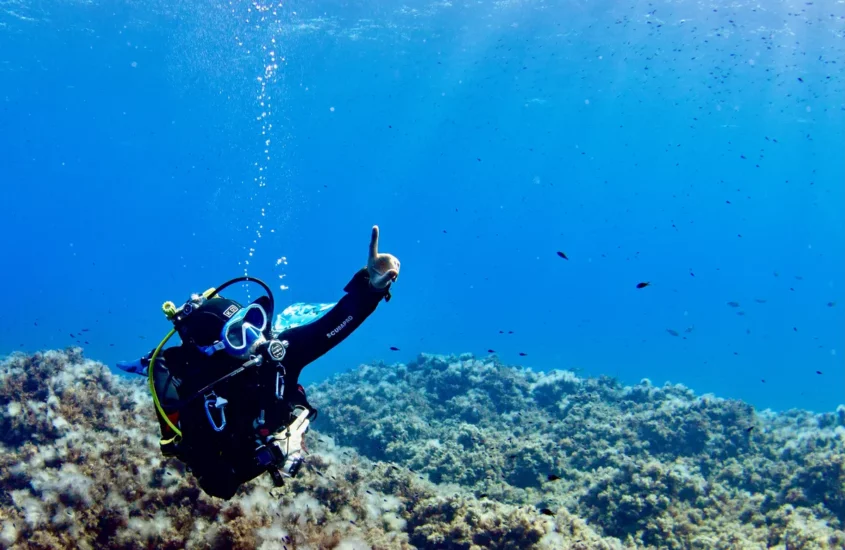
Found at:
<point>444,452</point>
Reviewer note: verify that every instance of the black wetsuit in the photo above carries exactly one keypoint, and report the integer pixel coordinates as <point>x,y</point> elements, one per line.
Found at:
<point>223,460</point>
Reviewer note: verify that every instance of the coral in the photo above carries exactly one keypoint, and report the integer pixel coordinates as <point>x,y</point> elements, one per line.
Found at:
<point>446,452</point>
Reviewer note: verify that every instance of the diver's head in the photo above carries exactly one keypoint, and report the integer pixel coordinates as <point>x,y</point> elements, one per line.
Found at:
<point>220,324</point>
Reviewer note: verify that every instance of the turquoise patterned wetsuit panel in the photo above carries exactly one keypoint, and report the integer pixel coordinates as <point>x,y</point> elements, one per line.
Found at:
<point>296,315</point>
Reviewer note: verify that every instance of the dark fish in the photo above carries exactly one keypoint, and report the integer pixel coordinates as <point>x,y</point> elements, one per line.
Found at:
<point>72,336</point>
<point>546,512</point>
<point>800,79</point>
<point>85,330</point>
<point>689,329</point>
<point>733,304</point>
<point>510,332</point>
<point>795,329</point>
<point>672,332</point>
<point>491,351</point>
<point>643,285</point>
<point>831,304</point>
<point>522,354</point>
<point>369,492</point>
<point>763,380</point>
<point>352,522</point>
<point>394,348</point>
<point>749,429</point>
<point>760,300</point>
<point>552,477</point>
<point>562,255</point>
<point>818,372</point>
<point>482,495</point>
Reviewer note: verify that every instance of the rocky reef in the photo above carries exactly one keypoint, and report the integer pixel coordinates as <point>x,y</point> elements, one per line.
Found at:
<point>443,452</point>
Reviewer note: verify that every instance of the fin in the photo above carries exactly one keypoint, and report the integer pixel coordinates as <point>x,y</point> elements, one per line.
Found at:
<point>296,315</point>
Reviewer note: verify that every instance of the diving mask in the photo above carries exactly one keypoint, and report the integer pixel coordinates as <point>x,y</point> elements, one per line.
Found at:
<point>240,333</point>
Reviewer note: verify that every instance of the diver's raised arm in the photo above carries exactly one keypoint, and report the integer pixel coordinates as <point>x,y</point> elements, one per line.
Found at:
<point>364,291</point>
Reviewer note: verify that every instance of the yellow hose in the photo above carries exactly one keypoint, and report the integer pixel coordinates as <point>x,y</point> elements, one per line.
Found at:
<point>153,387</point>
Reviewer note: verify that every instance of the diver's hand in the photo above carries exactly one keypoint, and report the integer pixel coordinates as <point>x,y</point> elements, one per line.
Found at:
<point>383,268</point>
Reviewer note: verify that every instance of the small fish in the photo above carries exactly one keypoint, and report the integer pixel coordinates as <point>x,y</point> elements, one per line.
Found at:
<point>546,512</point>
<point>352,522</point>
<point>85,330</point>
<point>394,348</point>
<point>749,430</point>
<point>522,354</point>
<point>672,332</point>
<point>831,304</point>
<point>552,477</point>
<point>643,285</point>
<point>482,495</point>
<point>369,492</point>
<point>689,329</point>
<point>818,372</point>
<point>763,380</point>
<point>510,332</point>
<point>562,255</point>
<point>760,300</point>
<point>491,351</point>
<point>72,336</point>
<point>795,329</point>
<point>733,304</point>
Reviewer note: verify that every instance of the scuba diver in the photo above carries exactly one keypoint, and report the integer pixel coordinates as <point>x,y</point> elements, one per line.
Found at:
<point>227,398</point>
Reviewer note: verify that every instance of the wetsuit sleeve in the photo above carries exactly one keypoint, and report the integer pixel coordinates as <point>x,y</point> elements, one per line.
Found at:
<point>311,341</point>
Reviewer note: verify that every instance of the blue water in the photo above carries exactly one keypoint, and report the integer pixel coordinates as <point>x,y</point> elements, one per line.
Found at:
<point>695,146</point>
